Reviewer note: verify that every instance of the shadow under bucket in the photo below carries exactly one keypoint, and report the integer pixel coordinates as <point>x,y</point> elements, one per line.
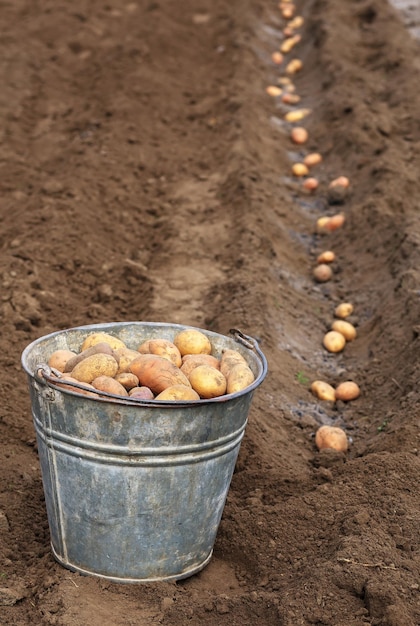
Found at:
<point>135,489</point>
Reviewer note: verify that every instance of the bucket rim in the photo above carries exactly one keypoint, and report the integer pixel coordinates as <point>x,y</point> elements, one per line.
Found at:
<point>45,378</point>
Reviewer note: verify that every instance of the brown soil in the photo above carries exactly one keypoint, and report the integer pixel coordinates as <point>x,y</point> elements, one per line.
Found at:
<point>145,175</point>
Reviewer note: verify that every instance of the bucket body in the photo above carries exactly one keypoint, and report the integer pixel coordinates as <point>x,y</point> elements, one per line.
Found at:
<point>135,490</point>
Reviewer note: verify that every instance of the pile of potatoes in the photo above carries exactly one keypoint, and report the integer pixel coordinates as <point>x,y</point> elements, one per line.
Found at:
<point>158,369</point>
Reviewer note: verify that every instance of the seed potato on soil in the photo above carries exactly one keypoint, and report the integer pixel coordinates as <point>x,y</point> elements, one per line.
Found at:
<point>345,328</point>
<point>299,169</point>
<point>312,159</point>
<point>331,437</point>
<point>322,272</point>
<point>310,184</point>
<point>297,115</point>
<point>328,256</point>
<point>274,91</point>
<point>299,135</point>
<point>294,66</point>
<point>277,58</point>
<point>328,224</point>
<point>323,390</point>
<point>145,175</point>
<point>347,391</point>
<point>334,341</point>
<point>290,98</point>
<point>343,310</point>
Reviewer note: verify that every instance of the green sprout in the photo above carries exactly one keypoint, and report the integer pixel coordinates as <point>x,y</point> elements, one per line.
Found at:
<point>302,378</point>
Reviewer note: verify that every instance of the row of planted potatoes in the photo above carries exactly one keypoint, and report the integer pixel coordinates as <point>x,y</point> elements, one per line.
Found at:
<point>303,170</point>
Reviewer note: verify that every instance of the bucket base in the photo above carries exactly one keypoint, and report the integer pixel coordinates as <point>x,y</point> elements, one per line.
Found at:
<point>115,579</point>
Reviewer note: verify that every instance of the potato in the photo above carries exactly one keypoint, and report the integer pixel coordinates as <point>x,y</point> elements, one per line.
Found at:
<point>162,347</point>
<point>336,195</point>
<point>297,22</point>
<point>192,341</point>
<point>297,115</point>
<point>66,380</point>
<point>208,381</point>
<point>98,348</point>
<point>229,359</point>
<point>321,224</point>
<point>277,58</point>
<point>127,380</point>
<point>125,356</point>
<point>347,391</point>
<point>142,393</point>
<point>314,158</point>
<point>273,91</point>
<point>239,378</point>
<point>331,437</point>
<point>323,391</point>
<point>299,135</point>
<point>290,98</point>
<point>343,310</point>
<point>99,337</point>
<point>299,169</point>
<point>345,328</point>
<point>178,392</point>
<point>328,224</point>
<point>289,43</point>
<point>157,373</point>
<point>190,361</point>
<point>294,66</point>
<point>341,181</point>
<point>60,358</point>
<point>285,81</point>
<point>335,221</point>
<point>328,256</point>
<point>110,385</point>
<point>93,366</point>
<point>203,359</point>
<point>288,11</point>
<point>334,341</point>
<point>310,184</point>
<point>322,273</point>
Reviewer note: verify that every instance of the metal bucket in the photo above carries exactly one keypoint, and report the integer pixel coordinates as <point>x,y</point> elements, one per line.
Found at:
<point>135,489</point>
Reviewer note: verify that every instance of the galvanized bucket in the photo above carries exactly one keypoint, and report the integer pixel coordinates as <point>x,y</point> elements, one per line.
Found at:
<point>135,489</point>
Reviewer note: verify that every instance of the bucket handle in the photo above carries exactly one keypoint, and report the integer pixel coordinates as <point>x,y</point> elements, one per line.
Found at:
<point>46,375</point>
<point>246,340</point>
<point>252,344</point>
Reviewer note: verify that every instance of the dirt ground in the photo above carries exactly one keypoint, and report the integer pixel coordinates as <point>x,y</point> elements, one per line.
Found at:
<point>146,175</point>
